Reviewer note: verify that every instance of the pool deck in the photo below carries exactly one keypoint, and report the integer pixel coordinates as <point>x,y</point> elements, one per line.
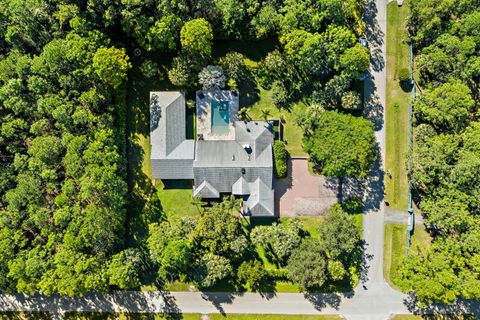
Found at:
<point>204,113</point>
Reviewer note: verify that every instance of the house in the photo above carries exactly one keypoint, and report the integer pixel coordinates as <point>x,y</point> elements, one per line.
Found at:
<point>228,156</point>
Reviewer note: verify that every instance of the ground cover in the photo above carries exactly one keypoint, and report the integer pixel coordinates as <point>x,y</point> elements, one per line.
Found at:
<point>395,247</point>
<point>397,107</point>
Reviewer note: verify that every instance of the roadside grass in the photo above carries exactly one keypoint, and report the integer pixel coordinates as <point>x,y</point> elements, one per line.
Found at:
<point>191,316</point>
<point>395,248</point>
<point>433,317</point>
<point>396,182</point>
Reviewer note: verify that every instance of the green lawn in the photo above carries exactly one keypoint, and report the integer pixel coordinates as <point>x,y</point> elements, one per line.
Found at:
<point>397,107</point>
<point>10,315</point>
<point>293,134</point>
<point>395,249</point>
<point>192,316</point>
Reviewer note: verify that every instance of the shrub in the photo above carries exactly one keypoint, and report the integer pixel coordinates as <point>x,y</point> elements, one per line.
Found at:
<point>212,78</point>
<point>280,156</point>
<point>279,94</point>
<point>404,75</point>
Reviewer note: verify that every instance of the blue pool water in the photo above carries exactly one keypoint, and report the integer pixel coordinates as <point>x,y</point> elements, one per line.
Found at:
<point>220,117</point>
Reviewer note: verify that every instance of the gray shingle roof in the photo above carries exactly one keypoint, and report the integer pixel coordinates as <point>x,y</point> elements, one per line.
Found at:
<point>206,190</point>
<point>241,187</point>
<point>168,137</point>
<point>261,200</point>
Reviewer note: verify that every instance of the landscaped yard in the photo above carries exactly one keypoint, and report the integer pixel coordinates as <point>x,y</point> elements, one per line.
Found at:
<point>395,249</point>
<point>397,107</point>
<point>293,134</point>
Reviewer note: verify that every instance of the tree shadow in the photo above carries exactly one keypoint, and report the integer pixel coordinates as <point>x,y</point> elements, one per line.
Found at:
<point>374,35</point>
<point>323,300</point>
<point>468,307</point>
<point>219,298</point>
<point>374,109</point>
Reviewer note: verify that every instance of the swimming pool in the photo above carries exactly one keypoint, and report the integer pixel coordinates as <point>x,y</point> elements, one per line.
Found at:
<point>220,117</point>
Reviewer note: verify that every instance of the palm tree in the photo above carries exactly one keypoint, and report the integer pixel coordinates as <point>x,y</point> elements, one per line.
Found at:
<point>266,113</point>
<point>197,202</point>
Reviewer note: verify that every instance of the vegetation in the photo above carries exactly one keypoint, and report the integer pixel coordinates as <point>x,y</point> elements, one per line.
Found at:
<point>395,249</point>
<point>396,109</point>
<point>446,174</point>
<point>74,212</point>
<point>280,157</point>
<point>218,247</point>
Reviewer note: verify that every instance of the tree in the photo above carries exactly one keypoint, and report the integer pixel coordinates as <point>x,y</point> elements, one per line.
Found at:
<point>212,78</point>
<point>279,94</point>
<point>351,100</point>
<point>163,34</point>
<point>279,240</point>
<point>175,258</point>
<point>217,228</point>
<point>355,61</point>
<point>265,114</point>
<point>211,269</point>
<point>341,145</point>
<point>339,233</point>
<point>307,265</point>
<point>252,272</point>
<point>123,269</point>
<point>446,108</point>
<point>196,37</point>
<point>111,65</point>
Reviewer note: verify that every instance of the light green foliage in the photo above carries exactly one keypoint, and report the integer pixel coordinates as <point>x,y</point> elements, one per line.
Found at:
<point>163,34</point>
<point>123,269</point>
<point>111,65</point>
<point>278,239</point>
<point>280,156</point>
<point>340,144</point>
<point>211,268</point>
<point>355,61</point>
<point>196,37</point>
<point>336,270</point>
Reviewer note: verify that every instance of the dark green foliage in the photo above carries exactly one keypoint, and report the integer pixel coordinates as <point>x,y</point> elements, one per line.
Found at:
<point>280,157</point>
<point>341,145</point>
<point>446,162</point>
<point>317,260</point>
<point>252,273</point>
<point>308,264</point>
<point>63,73</point>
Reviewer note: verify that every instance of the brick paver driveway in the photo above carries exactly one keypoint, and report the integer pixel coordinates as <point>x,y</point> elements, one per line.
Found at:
<point>302,193</point>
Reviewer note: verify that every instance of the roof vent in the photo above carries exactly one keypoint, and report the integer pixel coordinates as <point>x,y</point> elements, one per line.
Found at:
<point>248,129</point>
<point>233,157</point>
<point>243,171</point>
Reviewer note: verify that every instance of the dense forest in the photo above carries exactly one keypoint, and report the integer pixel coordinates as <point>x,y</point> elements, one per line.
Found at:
<point>64,69</point>
<point>446,157</point>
